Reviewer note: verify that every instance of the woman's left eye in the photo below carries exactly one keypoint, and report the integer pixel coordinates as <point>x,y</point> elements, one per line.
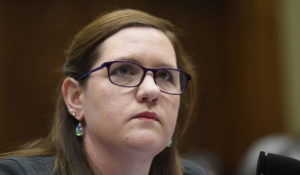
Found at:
<point>165,75</point>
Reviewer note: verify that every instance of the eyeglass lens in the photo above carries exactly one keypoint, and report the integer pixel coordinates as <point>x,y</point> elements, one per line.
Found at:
<point>130,75</point>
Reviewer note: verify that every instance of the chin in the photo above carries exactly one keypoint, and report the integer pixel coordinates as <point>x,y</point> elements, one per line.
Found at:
<point>147,144</point>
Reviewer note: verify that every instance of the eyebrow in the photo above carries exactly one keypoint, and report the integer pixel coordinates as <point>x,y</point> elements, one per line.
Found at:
<point>161,65</point>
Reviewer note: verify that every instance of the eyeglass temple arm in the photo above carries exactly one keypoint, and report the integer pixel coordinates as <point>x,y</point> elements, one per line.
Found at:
<point>91,71</point>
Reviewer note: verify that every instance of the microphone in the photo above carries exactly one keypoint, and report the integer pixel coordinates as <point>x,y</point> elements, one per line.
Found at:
<point>274,164</point>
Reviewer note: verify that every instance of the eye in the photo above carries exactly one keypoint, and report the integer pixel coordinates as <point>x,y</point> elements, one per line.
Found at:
<point>164,75</point>
<point>123,70</point>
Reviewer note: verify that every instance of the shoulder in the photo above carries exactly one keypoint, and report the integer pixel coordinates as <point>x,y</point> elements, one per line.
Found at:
<point>33,165</point>
<point>191,168</point>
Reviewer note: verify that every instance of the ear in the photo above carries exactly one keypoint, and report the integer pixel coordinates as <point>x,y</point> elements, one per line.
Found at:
<point>72,93</point>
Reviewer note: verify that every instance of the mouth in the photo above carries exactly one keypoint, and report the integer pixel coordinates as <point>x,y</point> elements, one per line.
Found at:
<point>147,116</point>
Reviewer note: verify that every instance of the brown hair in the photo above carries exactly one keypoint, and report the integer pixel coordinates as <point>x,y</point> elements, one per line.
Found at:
<point>81,55</point>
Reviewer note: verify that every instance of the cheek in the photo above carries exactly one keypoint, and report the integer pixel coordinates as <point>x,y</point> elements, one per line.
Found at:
<point>97,98</point>
<point>174,104</point>
<point>107,100</point>
<point>110,100</point>
<point>177,103</point>
<point>172,110</point>
<point>101,107</point>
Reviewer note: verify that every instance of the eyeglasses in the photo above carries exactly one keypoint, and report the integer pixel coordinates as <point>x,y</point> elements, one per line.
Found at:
<point>129,74</point>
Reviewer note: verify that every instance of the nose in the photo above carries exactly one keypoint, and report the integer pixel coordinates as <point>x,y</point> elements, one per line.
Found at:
<point>148,91</point>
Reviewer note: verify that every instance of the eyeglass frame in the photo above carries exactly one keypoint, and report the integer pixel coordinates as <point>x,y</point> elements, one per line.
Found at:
<point>145,70</point>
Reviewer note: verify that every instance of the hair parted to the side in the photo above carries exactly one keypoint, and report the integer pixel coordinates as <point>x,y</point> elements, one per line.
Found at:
<point>81,55</point>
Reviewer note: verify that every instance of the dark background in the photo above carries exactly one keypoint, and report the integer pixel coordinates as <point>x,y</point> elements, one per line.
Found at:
<point>234,44</point>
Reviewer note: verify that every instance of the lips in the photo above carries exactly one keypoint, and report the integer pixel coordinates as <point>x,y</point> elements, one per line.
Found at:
<point>147,116</point>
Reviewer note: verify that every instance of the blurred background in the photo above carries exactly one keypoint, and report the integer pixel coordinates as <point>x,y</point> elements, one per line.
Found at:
<point>247,54</point>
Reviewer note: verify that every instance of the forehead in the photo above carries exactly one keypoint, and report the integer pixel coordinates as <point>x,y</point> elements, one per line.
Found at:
<point>141,44</point>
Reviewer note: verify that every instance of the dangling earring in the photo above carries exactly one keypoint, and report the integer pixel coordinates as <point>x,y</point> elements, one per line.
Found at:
<point>78,130</point>
<point>170,143</point>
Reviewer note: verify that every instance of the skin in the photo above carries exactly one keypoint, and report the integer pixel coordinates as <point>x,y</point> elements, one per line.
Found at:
<point>114,141</point>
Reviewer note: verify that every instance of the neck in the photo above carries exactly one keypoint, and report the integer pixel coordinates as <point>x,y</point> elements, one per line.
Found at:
<point>107,160</point>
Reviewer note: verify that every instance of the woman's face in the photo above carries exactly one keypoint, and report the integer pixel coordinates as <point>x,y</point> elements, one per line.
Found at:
<point>117,116</point>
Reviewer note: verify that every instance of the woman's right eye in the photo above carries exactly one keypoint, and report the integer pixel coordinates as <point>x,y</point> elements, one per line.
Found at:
<point>123,70</point>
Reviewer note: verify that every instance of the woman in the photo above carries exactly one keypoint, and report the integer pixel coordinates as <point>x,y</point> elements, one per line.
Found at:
<point>121,108</point>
